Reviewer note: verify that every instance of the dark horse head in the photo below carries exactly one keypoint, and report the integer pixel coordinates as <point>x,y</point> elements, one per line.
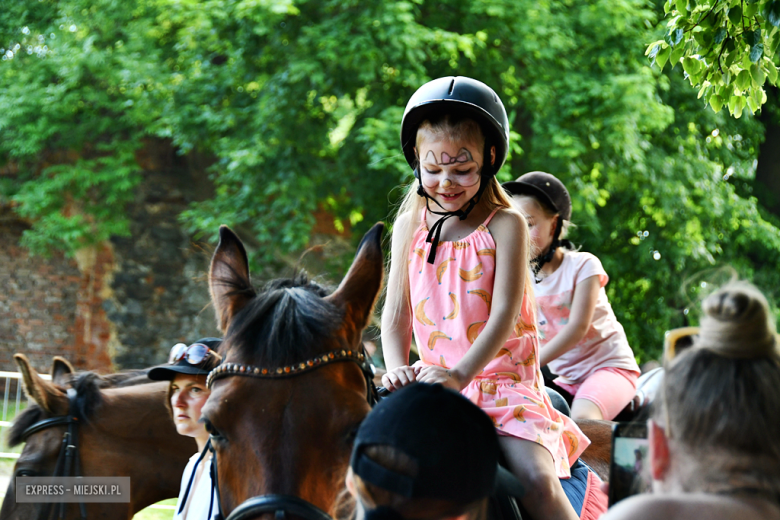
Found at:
<point>288,435</point>
<point>123,429</point>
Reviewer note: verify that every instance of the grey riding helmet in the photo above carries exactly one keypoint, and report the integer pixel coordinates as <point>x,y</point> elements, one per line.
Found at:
<point>546,188</point>
<point>464,97</point>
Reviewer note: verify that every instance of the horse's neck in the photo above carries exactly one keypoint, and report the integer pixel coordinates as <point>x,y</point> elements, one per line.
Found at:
<point>139,440</point>
<point>599,453</point>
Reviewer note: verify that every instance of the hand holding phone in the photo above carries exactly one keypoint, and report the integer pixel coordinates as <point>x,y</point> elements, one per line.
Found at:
<point>629,471</point>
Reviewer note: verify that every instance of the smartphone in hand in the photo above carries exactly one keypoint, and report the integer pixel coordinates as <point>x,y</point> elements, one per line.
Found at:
<point>629,471</point>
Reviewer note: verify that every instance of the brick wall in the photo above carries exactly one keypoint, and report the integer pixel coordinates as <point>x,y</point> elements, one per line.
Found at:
<point>38,301</point>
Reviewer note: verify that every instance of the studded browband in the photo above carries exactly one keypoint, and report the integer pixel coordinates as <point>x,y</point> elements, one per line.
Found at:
<point>236,369</point>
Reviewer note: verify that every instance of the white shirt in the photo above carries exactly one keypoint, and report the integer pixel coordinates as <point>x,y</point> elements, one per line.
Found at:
<point>199,498</point>
<point>605,344</point>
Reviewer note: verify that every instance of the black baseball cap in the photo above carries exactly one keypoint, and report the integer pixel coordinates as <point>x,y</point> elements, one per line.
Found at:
<point>169,372</point>
<point>452,441</point>
<point>546,188</point>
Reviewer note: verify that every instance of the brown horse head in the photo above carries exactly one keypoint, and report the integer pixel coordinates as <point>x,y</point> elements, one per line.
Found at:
<point>288,435</point>
<point>124,430</point>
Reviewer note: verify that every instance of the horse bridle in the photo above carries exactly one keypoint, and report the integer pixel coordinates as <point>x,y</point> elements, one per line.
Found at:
<point>69,457</point>
<point>280,505</point>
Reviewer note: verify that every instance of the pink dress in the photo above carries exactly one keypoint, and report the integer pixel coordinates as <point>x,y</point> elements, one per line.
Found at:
<point>451,302</point>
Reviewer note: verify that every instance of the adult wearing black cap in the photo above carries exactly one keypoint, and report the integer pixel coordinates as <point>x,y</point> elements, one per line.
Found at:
<point>423,452</point>
<point>187,369</point>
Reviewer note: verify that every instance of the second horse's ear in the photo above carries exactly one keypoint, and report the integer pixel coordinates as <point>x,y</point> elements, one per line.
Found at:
<point>43,392</point>
<point>229,281</point>
<point>360,287</point>
<point>61,370</point>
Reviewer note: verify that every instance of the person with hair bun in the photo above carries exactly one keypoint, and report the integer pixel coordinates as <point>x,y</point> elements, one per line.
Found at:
<point>713,434</point>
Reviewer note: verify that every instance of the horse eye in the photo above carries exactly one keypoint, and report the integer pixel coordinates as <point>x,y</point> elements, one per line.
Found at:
<point>215,434</point>
<point>25,473</point>
<point>352,434</point>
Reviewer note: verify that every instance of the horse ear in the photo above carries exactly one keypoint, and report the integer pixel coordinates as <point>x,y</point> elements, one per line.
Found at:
<point>48,396</point>
<point>229,281</point>
<point>60,370</point>
<point>359,289</point>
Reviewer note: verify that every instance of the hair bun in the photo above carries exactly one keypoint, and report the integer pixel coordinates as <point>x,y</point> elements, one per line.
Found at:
<point>737,323</point>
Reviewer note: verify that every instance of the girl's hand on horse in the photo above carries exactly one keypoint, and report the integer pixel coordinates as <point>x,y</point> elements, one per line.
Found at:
<point>399,377</point>
<point>449,378</point>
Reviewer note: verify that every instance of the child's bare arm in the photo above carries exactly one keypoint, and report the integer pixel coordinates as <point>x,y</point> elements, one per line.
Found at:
<point>397,315</point>
<point>510,232</point>
<point>582,306</point>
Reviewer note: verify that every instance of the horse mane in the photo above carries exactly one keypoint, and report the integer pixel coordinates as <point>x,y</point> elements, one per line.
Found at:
<point>88,386</point>
<point>283,324</point>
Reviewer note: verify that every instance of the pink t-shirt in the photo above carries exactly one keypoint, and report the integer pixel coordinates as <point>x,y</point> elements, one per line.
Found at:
<point>605,344</point>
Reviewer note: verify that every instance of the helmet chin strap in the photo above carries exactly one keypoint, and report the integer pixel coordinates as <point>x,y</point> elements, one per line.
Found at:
<point>538,262</point>
<point>435,232</point>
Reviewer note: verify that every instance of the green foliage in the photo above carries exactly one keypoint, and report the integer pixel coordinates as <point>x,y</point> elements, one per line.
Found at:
<point>726,48</point>
<point>299,104</point>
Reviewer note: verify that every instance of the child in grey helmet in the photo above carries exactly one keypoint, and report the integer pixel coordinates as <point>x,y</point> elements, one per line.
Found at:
<point>581,339</point>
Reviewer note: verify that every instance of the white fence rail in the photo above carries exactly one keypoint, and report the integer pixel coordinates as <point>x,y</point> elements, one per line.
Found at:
<point>12,404</point>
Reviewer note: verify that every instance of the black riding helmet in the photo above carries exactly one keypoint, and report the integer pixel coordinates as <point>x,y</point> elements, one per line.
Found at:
<point>550,192</point>
<point>466,98</point>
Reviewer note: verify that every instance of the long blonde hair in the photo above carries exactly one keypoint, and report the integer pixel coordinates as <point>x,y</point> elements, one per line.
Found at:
<point>494,196</point>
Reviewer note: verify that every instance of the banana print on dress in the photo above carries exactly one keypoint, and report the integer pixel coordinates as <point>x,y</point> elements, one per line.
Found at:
<point>521,327</point>
<point>488,387</point>
<point>435,336</point>
<point>472,274</point>
<point>487,252</point>
<point>529,361</point>
<point>504,352</point>
<point>540,404</point>
<point>461,245</point>
<point>421,253</point>
<point>511,375</point>
<point>573,441</point>
<point>518,413</point>
<point>419,313</point>
<point>486,297</point>
<point>442,268</point>
<point>473,331</point>
<point>456,308</point>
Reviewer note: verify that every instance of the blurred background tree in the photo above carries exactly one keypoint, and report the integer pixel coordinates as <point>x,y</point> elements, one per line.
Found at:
<point>298,105</point>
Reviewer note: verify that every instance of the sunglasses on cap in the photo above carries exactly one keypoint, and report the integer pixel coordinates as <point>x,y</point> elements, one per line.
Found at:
<point>193,354</point>
<point>678,340</point>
